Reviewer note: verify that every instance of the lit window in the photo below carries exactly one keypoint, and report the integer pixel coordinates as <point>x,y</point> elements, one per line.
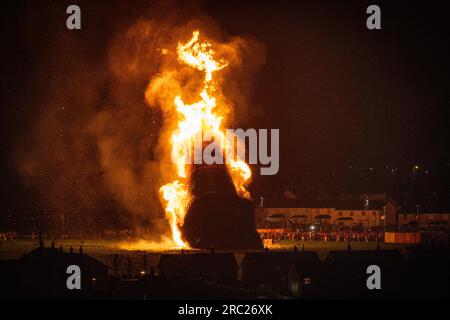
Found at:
<point>307,280</point>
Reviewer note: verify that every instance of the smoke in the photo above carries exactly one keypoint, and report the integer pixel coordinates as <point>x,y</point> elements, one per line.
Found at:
<point>96,149</point>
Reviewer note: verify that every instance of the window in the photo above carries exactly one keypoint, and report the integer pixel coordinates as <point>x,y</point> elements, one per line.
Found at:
<point>307,280</point>
<point>363,213</point>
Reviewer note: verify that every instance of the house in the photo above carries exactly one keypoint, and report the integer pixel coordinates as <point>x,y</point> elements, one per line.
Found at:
<point>42,273</point>
<point>306,280</point>
<point>290,213</point>
<point>8,278</point>
<point>362,212</point>
<point>284,272</point>
<point>347,273</point>
<point>428,213</point>
<point>428,273</point>
<point>208,266</point>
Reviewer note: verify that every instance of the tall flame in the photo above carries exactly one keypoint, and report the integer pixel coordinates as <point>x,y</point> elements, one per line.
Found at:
<point>201,117</point>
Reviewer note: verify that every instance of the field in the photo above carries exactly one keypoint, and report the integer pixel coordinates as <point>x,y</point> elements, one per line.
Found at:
<point>104,250</point>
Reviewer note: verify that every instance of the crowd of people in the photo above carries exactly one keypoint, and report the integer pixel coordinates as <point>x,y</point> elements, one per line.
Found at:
<point>7,236</point>
<point>325,236</point>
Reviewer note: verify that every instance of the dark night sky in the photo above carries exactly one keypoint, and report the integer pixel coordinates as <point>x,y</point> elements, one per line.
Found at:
<point>341,94</point>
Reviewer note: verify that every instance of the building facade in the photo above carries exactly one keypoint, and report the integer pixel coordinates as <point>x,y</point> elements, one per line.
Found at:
<point>386,213</point>
<point>342,213</point>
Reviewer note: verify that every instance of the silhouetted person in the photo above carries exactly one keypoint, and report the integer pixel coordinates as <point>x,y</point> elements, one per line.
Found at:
<point>53,244</point>
<point>71,249</point>
<point>61,248</point>
<point>349,247</point>
<point>295,249</point>
<point>41,242</point>
<point>303,247</point>
<point>378,245</point>
<point>81,250</point>
<point>182,251</point>
<point>212,250</point>
<point>266,249</point>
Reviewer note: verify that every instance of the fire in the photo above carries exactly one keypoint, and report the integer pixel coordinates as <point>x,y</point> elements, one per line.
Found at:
<point>205,117</point>
<point>165,244</point>
<point>176,195</point>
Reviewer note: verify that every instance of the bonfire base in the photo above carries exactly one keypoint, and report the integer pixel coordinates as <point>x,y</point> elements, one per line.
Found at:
<point>223,222</point>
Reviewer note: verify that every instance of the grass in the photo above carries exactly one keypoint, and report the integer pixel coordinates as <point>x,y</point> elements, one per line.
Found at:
<point>105,249</point>
<point>333,245</point>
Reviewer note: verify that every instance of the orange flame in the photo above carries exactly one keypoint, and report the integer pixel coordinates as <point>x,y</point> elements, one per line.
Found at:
<point>201,117</point>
